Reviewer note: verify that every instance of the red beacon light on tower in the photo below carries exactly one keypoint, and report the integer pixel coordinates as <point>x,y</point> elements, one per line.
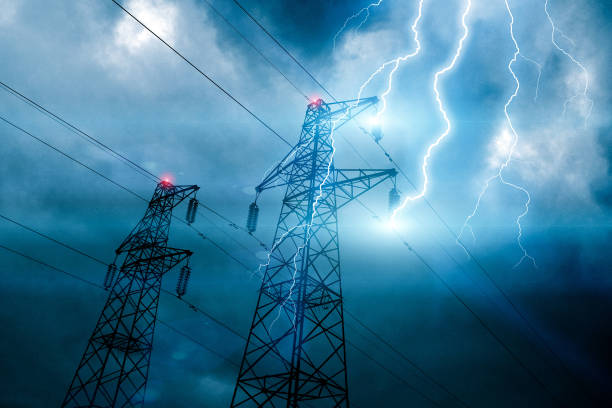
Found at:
<point>166,180</point>
<point>316,101</point>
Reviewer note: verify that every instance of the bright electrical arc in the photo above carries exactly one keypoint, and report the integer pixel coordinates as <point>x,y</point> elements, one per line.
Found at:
<point>505,164</point>
<point>440,138</point>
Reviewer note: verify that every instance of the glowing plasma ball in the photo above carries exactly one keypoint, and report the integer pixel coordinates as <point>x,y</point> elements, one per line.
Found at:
<point>504,165</point>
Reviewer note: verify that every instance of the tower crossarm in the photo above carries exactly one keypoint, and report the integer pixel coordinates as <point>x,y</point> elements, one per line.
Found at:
<point>170,256</point>
<point>337,113</point>
<point>344,111</point>
<point>351,183</point>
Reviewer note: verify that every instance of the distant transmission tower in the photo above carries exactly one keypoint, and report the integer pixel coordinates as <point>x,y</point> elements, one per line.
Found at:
<point>114,368</point>
<point>295,354</point>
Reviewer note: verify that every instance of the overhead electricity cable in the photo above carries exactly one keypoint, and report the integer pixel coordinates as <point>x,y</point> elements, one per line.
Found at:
<point>498,339</point>
<point>72,158</point>
<point>200,233</point>
<point>405,358</point>
<point>91,283</point>
<point>436,213</point>
<point>79,132</point>
<point>282,47</point>
<point>133,165</point>
<point>250,44</point>
<point>212,81</point>
<point>191,306</point>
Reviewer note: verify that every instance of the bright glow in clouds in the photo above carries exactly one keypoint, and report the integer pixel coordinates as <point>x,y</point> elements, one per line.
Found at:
<point>588,108</point>
<point>440,138</point>
<point>502,145</point>
<point>365,10</point>
<point>159,15</point>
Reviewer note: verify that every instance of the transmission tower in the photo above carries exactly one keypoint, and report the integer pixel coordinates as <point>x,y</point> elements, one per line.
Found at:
<point>295,353</point>
<point>114,368</point>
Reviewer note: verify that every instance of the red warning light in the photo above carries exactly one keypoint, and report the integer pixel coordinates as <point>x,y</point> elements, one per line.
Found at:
<point>167,179</point>
<point>316,101</point>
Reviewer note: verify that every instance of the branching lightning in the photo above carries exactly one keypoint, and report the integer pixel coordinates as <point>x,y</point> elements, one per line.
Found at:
<point>504,165</point>
<point>539,67</point>
<point>444,134</point>
<point>585,89</point>
<point>365,11</point>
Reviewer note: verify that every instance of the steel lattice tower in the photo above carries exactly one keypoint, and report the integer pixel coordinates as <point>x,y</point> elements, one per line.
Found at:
<point>295,354</point>
<point>114,368</point>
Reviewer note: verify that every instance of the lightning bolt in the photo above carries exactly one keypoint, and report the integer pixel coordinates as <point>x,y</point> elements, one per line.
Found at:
<point>444,134</point>
<point>308,226</point>
<point>365,10</point>
<point>504,165</point>
<point>395,63</point>
<point>585,89</point>
<point>539,67</point>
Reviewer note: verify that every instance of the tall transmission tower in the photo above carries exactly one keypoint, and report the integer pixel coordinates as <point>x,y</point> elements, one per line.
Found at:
<point>295,353</point>
<point>114,368</point>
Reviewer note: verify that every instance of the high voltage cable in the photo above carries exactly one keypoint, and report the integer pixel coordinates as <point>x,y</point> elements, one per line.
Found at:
<point>72,158</point>
<point>191,306</point>
<point>322,87</point>
<point>283,48</point>
<point>142,198</point>
<point>486,273</point>
<point>229,95</point>
<point>245,39</point>
<point>212,81</point>
<point>79,132</point>
<point>480,320</point>
<point>405,358</point>
<point>201,234</point>
<point>436,213</point>
<point>133,165</point>
<point>91,283</point>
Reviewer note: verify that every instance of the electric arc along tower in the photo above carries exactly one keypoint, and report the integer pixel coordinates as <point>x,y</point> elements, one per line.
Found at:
<point>114,368</point>
<point>295,353</point>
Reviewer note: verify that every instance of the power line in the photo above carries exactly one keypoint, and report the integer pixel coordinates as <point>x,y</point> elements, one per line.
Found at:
<point>133,165</point>
<point>486,273</point>
<point>91,283</point>
<point>266,59</point>
<point>93,258</point>
<point>393,374</point>
<point>79,132</point>
<point>200,233</point>
<point>283,48</point>
<point>190,305</point>
<point>212,81</point>
<point>405,358</point>
<point>386,153</point>
<point>72,158</point>
<point>479,319</point>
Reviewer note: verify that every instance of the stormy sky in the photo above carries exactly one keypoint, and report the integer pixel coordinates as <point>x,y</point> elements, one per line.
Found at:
<point>88,62</point>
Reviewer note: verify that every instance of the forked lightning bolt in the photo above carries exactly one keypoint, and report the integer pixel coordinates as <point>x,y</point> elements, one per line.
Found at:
<point>504,165</point>
<point>395,62</point>
<point>436,143</point>
<point>585,89</point>
<point>365,11</point>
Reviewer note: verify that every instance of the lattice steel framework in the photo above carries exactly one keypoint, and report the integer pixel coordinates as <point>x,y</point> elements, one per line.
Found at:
<point>114,368</point>
<point>295,354</point>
